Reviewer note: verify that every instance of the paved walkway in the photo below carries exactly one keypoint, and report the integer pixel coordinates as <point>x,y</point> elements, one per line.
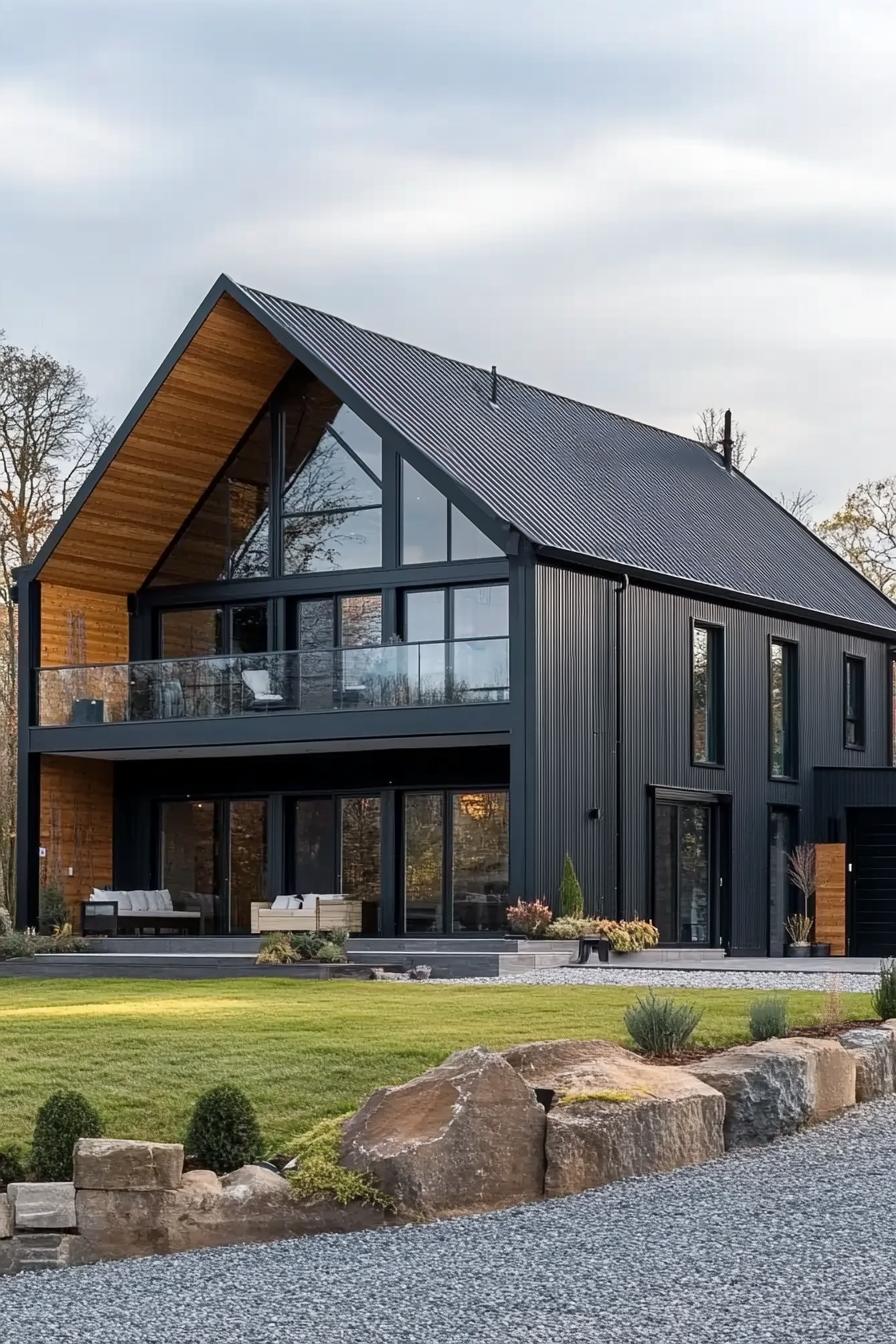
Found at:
<point>790,1244</point>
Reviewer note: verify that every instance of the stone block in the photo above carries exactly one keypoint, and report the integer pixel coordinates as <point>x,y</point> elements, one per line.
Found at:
<point>42,1206</point>
<point>614,1115</point>
<point>767,1095</point>
<point>6,1228</point>
<point>874,1051</point>
<point>127,1164</point>
<point>833,1071</point>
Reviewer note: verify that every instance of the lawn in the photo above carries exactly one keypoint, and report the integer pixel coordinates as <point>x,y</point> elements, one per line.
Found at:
<point>143,1050</point>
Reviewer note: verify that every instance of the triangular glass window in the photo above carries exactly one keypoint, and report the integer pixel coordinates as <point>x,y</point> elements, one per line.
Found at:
<point>332,495</point>
<point>432,529</point>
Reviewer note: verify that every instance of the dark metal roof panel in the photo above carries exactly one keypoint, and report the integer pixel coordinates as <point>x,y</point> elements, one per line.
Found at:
<point>584,481</point>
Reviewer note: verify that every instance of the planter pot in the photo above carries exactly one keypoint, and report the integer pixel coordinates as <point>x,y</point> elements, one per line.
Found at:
<point>603,949</point>
<point>798,950</point>
<point>821,949</point>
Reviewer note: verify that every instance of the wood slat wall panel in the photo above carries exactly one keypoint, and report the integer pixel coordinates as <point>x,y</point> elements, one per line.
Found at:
<point>81,626</point>
<point>178,446</point>
<point>76,819</point>
<point>830,897</point>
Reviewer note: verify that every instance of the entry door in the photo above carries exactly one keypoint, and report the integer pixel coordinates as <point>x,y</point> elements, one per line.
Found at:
<point>872,854</point>
<point>685,871</point>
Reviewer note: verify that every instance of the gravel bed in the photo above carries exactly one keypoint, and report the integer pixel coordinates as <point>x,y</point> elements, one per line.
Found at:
<point>670,979</point>
<point>791,1243</point>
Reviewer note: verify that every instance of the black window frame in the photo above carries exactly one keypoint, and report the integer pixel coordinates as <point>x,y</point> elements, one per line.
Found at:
<point>858,720</point>
<point>891,707</point>
<point>791,703</point>
<point>715,712</point>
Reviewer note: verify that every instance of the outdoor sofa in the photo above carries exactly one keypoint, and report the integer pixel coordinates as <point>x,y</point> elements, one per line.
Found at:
<point>133,911</point>
<point>306,914</point>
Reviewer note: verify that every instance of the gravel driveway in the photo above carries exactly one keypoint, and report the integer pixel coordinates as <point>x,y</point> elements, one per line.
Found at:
<point>788,1243</point>
<point>847,981</point>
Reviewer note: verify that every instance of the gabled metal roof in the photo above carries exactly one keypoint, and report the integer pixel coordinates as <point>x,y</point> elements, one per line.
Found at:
<point>582,481</point>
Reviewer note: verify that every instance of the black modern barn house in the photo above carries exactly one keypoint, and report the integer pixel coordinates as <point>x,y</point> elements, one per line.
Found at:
<point>334,613</point>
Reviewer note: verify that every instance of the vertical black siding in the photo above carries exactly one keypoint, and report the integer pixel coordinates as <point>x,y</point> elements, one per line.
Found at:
<point>575,733</point>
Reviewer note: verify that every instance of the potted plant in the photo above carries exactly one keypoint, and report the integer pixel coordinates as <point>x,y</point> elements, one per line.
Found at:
<point>799,930</point>
<point>801,866</point>
<point>529,919</point>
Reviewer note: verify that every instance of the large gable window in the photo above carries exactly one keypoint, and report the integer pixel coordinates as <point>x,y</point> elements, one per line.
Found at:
<point>433,530</point>
<point>332,497</point>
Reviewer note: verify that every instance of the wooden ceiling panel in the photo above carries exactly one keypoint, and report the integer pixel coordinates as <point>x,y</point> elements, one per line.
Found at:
<point>174,452</point>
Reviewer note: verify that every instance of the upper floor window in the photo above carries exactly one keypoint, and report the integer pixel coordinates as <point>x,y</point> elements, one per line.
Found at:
<point>892,670</point>
<point>783,709</point>
<point>332,500</point>
<point>707,695</point>
<point>854,702</point>
<point>434,530</point>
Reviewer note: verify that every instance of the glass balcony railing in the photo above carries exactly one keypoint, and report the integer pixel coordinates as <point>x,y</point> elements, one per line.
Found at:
<point>223,686</point>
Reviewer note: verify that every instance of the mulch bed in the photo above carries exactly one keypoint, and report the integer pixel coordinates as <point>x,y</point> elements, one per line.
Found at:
<point>698,1052</point>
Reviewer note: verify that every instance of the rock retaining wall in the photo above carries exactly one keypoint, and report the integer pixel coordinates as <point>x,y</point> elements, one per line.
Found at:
<point>483,1130</point>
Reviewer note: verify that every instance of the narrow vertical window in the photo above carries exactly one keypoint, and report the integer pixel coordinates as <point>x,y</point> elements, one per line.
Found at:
<point>783,710</point>
<point>854,702</point>
<point>892,664</point>
<point>707,695</point>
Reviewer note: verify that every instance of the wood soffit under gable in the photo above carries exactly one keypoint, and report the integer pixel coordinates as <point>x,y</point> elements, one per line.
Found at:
<point>182,440</point>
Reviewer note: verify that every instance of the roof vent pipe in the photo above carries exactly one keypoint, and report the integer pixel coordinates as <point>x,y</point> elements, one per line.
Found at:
<point>494,392</point>
<point>727,442</point>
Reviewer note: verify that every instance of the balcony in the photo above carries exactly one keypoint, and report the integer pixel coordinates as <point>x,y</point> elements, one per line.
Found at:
<point>393,676</point>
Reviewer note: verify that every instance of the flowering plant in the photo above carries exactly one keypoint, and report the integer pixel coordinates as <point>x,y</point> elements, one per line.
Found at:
<point>529,918</point>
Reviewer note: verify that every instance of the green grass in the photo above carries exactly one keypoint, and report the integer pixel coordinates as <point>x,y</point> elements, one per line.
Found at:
<point>142,1051</point>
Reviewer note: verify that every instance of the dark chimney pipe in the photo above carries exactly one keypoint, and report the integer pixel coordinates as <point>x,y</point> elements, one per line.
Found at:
<point>727,442</point>
<point>494,396</point>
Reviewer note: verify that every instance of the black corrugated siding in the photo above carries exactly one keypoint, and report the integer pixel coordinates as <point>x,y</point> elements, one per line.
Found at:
<point>576,731</point>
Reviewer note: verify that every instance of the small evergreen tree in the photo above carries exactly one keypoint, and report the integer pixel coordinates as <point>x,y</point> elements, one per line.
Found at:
<point>64,1118</point>
<point>572,902</point>
<point>223,1133</point>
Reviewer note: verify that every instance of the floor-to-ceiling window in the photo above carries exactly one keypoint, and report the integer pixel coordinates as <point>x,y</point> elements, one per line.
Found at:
<point>783,830</point>
<point>454,860</point>
<point>337,847</point>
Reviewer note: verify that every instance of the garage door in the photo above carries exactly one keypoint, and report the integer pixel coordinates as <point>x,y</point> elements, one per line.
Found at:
<point>872,853</point>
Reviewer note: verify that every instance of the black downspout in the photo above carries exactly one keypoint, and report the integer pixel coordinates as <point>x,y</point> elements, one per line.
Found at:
<point>620,590</point>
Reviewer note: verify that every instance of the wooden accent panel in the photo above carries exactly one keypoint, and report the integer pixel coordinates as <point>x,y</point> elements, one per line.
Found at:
<point>80,626</point>
<point>175,450</point>
<point>830,897</point>
<point>76,812</point>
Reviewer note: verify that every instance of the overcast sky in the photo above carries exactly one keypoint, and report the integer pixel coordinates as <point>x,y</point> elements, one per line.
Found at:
<point>652,206</point>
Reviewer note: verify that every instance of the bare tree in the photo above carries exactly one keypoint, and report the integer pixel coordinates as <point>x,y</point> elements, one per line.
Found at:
<point>50,437</point>
<point>863,531</point>
<point>710,430</point>
<point>801,503</point>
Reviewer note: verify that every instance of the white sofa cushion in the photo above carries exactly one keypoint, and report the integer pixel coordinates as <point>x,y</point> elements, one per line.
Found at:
<point>281,902</point>
<point>139,901</point>
<point>311,896</point>
<point>165,901</point>
<point>124,901</point>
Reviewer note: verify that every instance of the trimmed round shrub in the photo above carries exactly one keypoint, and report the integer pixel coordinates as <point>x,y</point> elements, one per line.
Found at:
<point>12,1166</point>
<point>661,1026</point>
<point>223,1133</point>
<point>64,1118</point>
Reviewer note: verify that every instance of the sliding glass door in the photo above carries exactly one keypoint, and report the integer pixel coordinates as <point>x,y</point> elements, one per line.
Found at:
<point>214,852</point>
<point>454,861</point>
<point>337,848</point>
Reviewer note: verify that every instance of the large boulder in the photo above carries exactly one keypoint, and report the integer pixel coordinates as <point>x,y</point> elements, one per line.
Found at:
<point>766,1095</point>
<point>42,1206</point>
<point>466,1136</point>
<point>833,1072</point>
<point>5,1217</point>
<point>613,1115</point>
<point>127,1164</point>
<point>874,1051</point>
